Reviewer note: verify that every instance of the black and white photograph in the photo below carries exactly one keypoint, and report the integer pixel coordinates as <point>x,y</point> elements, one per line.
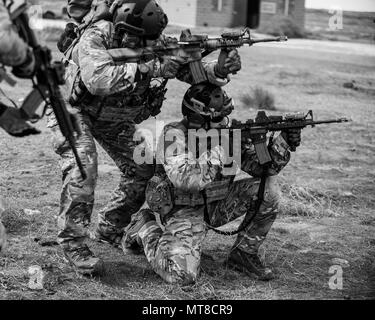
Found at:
<point>205,152</point>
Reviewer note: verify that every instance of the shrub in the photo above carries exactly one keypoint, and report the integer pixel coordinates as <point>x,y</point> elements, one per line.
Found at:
<point>259,98</point>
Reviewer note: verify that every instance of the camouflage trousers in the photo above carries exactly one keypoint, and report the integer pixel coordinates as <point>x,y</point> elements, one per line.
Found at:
<point>77,196</point>
<point>174,252</point>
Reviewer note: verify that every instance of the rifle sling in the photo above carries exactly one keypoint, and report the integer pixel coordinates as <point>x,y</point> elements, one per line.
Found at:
<point>248,218</point>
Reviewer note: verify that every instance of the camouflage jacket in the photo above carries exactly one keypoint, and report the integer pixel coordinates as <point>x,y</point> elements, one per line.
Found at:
<point>103,77</point>
<point>192,175</point>
<point>13,50</point>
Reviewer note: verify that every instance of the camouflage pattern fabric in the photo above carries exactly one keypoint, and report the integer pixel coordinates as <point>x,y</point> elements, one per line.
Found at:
<point>109,117</point>
<point>175,252</point>
<point>77,198</point>
<point>13,50</point>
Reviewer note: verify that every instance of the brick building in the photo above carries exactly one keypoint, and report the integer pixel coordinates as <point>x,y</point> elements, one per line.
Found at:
<point>231,13</point>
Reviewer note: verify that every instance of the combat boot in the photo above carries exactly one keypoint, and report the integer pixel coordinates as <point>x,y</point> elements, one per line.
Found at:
<point>82,259</point>
<point>131,244</point>
<point>249,264</point>
<point>108,234</point>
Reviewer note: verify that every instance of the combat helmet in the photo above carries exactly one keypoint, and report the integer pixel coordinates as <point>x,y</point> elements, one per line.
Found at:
<point>206,102</point>
<point>142,18</point>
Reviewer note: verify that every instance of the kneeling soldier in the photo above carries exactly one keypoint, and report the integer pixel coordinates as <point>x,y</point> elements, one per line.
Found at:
<point>177,192</point>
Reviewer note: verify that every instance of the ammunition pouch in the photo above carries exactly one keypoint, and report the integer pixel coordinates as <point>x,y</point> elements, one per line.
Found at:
<point>79,93</point>
<point>113,108</point>
<point>161,196</point>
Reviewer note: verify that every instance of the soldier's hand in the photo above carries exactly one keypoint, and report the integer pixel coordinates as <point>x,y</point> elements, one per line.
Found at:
<point>292,138</point>
<point>13,122</point>
<point>27,69</point>
<point>170,66</point>
<point>228,62</point>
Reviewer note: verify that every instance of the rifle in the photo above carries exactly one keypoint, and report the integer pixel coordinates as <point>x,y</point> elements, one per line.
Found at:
<point>191,48</point>
<point>46,81</point>
<point>257,129</point>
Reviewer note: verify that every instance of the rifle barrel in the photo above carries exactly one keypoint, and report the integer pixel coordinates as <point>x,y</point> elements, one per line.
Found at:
<point>340,120</point>
<point>274,39</point>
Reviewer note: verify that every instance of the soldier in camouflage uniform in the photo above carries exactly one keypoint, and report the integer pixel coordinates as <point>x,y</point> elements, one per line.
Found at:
<point>116,98</point>
<point>174,252</point>
<point>16,53</point>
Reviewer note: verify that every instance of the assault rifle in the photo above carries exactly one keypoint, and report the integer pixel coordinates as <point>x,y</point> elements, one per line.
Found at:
<point>191,48</point>
<point>47,79</point>
<point>257,129</point>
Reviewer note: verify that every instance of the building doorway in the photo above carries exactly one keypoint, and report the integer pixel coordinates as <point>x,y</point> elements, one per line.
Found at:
<point>253,13</point>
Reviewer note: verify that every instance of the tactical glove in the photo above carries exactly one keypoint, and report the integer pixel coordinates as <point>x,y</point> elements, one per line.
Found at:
<point>292,138</point>
<point>228,62</point>
<point>27,69</point>
<point>13,121</point>
<point>170,66</point>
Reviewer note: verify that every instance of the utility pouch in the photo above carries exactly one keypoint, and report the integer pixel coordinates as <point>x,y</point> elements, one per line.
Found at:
<point>217,190</point>
<point>159,195</point>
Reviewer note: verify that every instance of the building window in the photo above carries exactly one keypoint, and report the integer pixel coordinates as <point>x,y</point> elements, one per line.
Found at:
<point>268,7</point>
<point>217,5</point>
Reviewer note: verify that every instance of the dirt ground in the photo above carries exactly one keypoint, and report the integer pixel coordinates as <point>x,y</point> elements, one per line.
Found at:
<point>327,217</point>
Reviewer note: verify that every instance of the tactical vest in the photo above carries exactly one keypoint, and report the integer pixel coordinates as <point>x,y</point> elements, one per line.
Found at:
<point>162,196</point>
<point>143,100</point>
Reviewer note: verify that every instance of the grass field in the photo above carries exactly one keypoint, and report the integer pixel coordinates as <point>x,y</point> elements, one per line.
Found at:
<point>328,207</point>
<point>357,26</point>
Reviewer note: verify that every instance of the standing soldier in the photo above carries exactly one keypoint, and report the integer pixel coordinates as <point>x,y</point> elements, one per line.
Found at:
<point>111,99</point>
<point>176,193</point>
<point>16,53</point>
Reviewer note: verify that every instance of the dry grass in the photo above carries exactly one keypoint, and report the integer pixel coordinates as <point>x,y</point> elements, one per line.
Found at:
<point>328,195</point>
<point>357,26</point>
<point>306,201</point>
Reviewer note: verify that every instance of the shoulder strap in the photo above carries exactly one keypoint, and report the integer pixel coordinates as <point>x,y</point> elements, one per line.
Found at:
<point>248,218</point>
<point>99,11</point>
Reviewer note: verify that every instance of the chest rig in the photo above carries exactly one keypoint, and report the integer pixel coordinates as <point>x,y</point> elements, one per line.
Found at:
<point>144,98</point>
<point>162,196</point>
